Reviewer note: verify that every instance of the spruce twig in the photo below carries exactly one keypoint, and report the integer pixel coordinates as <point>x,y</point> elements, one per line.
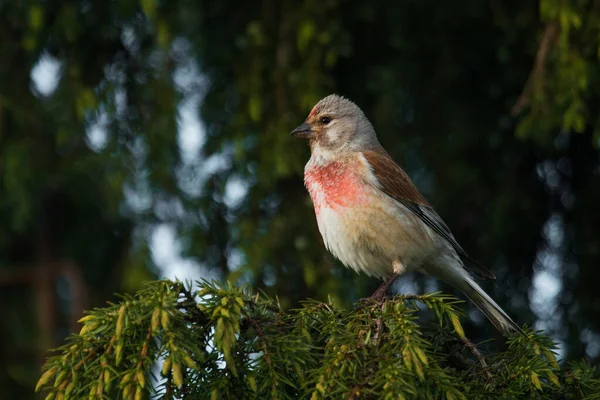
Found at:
<point>475,351</point>
<point>261,338</point>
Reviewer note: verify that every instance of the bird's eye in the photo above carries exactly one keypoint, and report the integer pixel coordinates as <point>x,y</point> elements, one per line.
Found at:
<point>325,120</point>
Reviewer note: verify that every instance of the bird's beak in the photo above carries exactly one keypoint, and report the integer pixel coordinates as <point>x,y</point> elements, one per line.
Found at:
<point>304,131</point>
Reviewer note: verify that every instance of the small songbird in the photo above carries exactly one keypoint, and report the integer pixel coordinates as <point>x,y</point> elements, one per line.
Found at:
<point>370,214</point>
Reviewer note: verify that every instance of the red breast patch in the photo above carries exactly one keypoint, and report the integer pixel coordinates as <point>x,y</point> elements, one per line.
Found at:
<point>335,185</point>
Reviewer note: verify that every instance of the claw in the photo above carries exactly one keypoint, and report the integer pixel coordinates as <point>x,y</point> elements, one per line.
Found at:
<point>380,294</point>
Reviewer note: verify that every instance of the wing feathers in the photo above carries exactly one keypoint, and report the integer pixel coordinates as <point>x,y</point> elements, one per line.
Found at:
<point>394,181</point>
<point>397,184</point>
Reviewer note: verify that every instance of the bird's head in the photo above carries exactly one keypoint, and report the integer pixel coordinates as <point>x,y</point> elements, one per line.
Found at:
<point>335,126</point>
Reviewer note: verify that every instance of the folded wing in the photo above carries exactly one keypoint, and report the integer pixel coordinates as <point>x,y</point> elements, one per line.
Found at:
<point>397,184</point>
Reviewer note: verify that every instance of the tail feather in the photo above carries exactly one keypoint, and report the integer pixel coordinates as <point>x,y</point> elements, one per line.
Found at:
<point>489,307</point>
<point>460,278</point>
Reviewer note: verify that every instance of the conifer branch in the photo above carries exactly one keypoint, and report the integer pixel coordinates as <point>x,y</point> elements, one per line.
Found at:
<point>473,349</point>
<point>224,342</point>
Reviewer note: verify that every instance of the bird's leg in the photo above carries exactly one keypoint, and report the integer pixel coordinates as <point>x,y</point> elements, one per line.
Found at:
<point>381,291</point>
<point>399,268</point>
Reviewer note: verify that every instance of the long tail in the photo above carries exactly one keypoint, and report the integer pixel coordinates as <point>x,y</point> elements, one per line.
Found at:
<point>490,309</point>
<point>461,279</point>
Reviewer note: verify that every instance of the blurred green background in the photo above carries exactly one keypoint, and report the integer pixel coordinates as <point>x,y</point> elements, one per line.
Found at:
<point>147,139</point>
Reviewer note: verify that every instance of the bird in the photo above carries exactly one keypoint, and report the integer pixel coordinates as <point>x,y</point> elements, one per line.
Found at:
<point>373,218</point>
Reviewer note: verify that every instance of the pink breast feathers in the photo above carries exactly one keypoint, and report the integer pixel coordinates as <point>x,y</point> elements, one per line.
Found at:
<point>335,185</point>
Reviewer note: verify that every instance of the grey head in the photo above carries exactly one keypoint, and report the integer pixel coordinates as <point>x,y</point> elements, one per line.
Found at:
<point>335,126</point>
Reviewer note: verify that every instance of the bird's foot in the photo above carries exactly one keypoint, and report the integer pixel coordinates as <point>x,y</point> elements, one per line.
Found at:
<point>371,300</point>
<point>381,293</point>
<point>378,296</point>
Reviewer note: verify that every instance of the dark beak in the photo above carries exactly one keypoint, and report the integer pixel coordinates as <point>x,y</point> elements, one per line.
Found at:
<point>303,131</point>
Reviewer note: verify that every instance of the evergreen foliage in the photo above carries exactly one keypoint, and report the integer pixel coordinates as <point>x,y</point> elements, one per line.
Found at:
<point>490,107</point>
<point>225,342</point>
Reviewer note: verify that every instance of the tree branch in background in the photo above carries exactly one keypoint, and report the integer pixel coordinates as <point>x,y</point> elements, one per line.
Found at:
<point>536,77</point>
<point>46,300</point>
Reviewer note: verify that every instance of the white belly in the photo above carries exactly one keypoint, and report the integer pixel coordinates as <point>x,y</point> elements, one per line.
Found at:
<point>369,239</point>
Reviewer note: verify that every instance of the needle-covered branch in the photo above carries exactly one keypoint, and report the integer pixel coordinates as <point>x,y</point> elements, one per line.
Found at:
<point>221,341</point>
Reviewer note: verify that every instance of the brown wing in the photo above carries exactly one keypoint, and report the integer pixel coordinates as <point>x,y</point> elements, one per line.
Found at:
<point>393,179</point>
<point>398,185</point>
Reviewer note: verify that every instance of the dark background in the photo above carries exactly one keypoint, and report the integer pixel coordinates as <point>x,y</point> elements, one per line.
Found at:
<point>148,139</point>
